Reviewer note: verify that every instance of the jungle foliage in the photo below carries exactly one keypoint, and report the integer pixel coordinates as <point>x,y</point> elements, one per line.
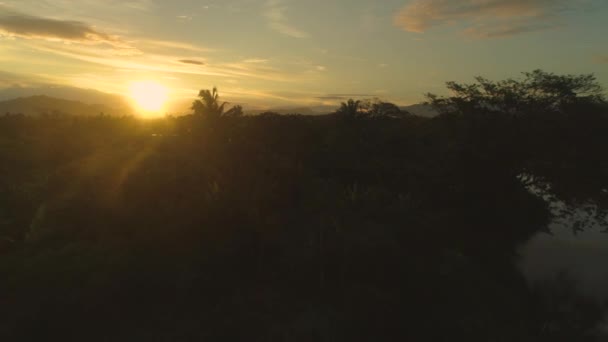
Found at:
<point>340,227</point>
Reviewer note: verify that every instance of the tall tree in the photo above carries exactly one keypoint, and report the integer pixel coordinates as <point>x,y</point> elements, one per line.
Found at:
<point>208,105</point>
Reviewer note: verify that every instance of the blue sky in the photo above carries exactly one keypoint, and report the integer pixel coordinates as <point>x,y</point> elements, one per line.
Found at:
<point>293,53</point>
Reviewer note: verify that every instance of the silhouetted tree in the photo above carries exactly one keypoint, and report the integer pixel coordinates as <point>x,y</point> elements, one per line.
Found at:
<point>370,108</point>
<point>381,109</point>
<point>235,111</point>
<point>269,114</point>
<point>538,91</point>
<point>350,108</point>
<point>209,106</point>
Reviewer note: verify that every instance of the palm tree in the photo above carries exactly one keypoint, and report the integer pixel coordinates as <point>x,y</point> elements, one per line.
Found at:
<point>208,105</point>
<point>234,111</point>
<point>350,108</point>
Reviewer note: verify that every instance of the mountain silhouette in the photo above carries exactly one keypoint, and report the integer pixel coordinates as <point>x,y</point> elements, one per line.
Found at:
<point>420,109</point>
<point>46,105</point>
<point>90,96</point>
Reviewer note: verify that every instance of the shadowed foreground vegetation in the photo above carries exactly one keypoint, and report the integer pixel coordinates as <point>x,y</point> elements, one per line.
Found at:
<point>297,228</point>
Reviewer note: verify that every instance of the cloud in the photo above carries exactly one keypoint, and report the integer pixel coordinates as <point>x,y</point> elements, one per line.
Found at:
<point>164,45</point>
<point>278,21</point>
<point>506,30</point>
<point>191,61</point>
<point>601,59</point>
<point>340,97</point>
<point>172,64</point>
<point>14,24</point>
<point>256,60</point>
<point>484,18</point>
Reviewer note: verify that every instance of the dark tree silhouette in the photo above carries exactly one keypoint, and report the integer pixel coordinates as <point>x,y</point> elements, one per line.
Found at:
<point>208,105</point>
<point>350,108</point>
<point>381,109</point>
<point>375,108</point>
<point>538,91</point>
<point>235,111</point>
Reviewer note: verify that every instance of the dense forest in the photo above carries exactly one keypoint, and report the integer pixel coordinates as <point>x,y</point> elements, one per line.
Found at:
<point>367,224</point>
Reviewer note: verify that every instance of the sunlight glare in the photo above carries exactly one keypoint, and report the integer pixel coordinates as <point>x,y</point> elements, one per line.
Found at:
<point>149,95</point>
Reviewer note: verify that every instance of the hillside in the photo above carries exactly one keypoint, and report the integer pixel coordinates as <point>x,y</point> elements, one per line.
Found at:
<point>420,110</point>
<point>416,109</point>
<point>90,96</point>
<point>42,104</point>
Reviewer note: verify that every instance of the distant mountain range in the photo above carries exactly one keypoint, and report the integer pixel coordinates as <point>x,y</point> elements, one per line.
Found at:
<point>48,99</point>
<point>42,104</point>
<point>52,99</point>
<point>314,110</point>
<point>89,96</point>
<point>416,109</point>
<point>421,110</point>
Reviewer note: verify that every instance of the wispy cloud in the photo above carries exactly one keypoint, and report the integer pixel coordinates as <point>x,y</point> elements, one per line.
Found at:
<point>164,45</point>
<point>509,29</point>
<point>243,93</point>
<point>191,61</point>
<point>8,79</point>
<point>340,97</point>
<point>173,64</point>
<point>256,60</point>
<point>485,18</point>
<point>277,19</point>
<point>601,59</point>
<point>138,5</point>
<point>19,25</point>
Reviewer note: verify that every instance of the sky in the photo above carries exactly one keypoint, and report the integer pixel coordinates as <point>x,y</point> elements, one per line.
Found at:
<point>269,53</point>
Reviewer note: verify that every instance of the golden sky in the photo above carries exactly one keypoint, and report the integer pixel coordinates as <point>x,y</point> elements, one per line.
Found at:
<point>265,53</point>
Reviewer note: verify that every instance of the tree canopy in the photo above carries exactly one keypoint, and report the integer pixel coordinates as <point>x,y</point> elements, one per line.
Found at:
<point>538,91</point>
<point>298,228</point>
<point>350,109</point>
<point>375,108</point>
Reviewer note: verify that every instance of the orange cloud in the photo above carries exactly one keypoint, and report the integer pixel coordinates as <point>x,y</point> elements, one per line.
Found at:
<point>191,61</point>
<point>483,18</point>
<point>14,24</point>
<point>278,20</point>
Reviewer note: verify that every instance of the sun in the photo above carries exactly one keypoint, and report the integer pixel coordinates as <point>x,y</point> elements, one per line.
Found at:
<point>149,95</point>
